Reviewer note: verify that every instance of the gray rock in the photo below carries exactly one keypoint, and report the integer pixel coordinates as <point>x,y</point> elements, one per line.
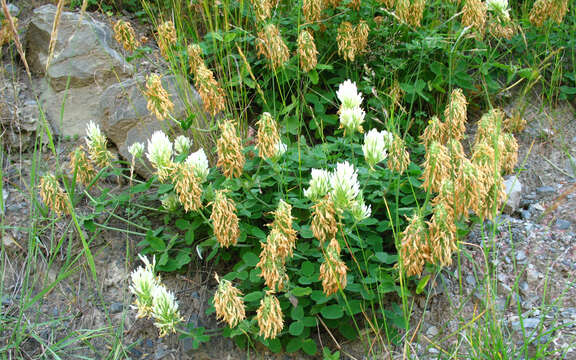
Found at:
<point>526,215</point>
<point>513,193</point>
<point>432,331</point>
<point>126,119</point>
<point>545,190</point>
<point>82,67</point>
<point>13,9</point>
<point>529,323</point>
<point>532,276</point>
<point>116,308</point>
<point>470,280</point>
<point>6,300</point>
<point>561,224</point>
<point>520,255</point>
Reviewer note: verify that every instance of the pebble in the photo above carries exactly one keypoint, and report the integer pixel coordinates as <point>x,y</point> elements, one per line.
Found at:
<point>545,189</point>
<point>525,214</point>
<point>116,308</point>
<point>561,224</point>
<point>471,280</point>
<point>532,275</point>
<point>529,323</point>
<point>520,255</point>
<point>432,331</point>
<point>524,288</point>
<point>6,300</point>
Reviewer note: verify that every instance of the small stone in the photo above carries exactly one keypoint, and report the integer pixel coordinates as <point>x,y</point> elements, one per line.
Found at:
<point>6,300</point>
<point>520,255</point>
<point>13,9</point>
<point>561,224</point>
<point>525,214</point>
<point>433,351</point>
<point>432,331</point>
<point>513,190</point>
<point>116,308</point>
<point>529,323</point>
<point>524,288</point>
<point>471,280</point>
<point>545,189</point>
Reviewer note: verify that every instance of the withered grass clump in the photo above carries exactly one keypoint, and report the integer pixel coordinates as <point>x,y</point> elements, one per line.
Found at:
<point>272,266</point>
<point>268,137</point>
<point>224,219</point>
<point>283,234</point>
<point>229,146</point>
<point>262,9</point>
<point>270,45</point>
<point>228,303</point>
<point>270,317</point>
<point>543,10</point>
<point>442,236</point>
<point>307,51</point>
<point>159,102</point>
<point>53,195</point>
<point>437,166</point>
<point>124,34</point>
<point>81,166</point>
<point>455,115</point>
<point>213,96</point>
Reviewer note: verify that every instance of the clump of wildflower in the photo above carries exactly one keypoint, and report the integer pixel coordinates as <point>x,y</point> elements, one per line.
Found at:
<point>307,51</point>
<point>97,145</point>
<point>159,102</point>
<point>270,45</point>
<point>199,164</point>
<point>166,37</point>
<point>136,150</point>
<point>229,146</point>
<point>333,269</point>
<point>474,15</point>
<point>224,219</point>
<point>125,35</point>
<point>436,166</point>
<point>312,10</point>
<point>414,250</point>
<point>80,165</point>
<point>345,186</point>
<point>267,137</point>
<point>212,94</point>
<point>194,52</point>
<point>6,33</point>
<point>349,95</point>
<point>272,266</point>
<point>182,145</point>
<point>228,303</point>
<point>375,145</point>
<point>319,185</point>
<point>53,195</point>
<point>324,224</point>
<point>144,280</point>
<point>270,317</point>
<point>442,236</point>
<point>165,310</point>
<point>262,9</point>
<point>359,209</point>
<point>351,120</point>
<point>411,11</point>
<point>170,202</point>
<point>455,115</point>
<point>188,186</point>
<point>398,156</point>
<point>160,154</point>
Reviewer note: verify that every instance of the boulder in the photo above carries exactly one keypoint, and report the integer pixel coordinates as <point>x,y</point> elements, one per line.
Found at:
<point>83,66</point>
<point>513,194</point>
<point>126,119</point>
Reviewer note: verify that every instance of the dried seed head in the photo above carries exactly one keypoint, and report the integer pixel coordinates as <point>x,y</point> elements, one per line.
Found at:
<point>509,153</point>
<point>515,124</point>
<point>125,35</point>
<point>346,39</point>
<point>457,155</point>
<point>165,310</point>
<point>435,131</point>
<point>442,235</point>
<point>501,31</point>
<point>166,37</point>
<point>228,303</point>
<point>194,57</point>
<point>411,11</point>
<point>97,145</point>
<point>159,102</point>
<point>270,45</point>
<point>495,196</point>
<point>80,166</point>
<point>398,156</point>
<point>270,317</point>
<point>188,186</point>
<point>212,94</point>
<point>6,34</point>
<point>543,10</point>
<point>362,30</point>
<point>474,15</point>
<point>446,194</point>
<point>283,234</point>
<point>324,222</point>
<point>272,266</point>
<point>489,125</point>
<point>53,195</point>
<point>436,166</point>
<point>262,9</point>
<point>333,269</point>
<point>455,115</point>
<point>390,4</point>
<point>307,51</point>
<point>415,250</point>
<point>468,188</point>
<point>229,146</point>
<point>333,3</point>
<point>268,136</point>
<point>355,4</point>
<point>484,157</point>
<point>396,93</point>
<point>312,10</point>
<point>224,219</point>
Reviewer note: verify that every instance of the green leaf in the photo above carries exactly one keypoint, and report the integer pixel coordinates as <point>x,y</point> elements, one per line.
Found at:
<point>274,345</point>
<point>386,258</point>
<point>297,313</point>
<point>301,291</point>
<point>307,268</point>
<point>164,188</point>
<point>253,296</point>
<point>313,75</point>
<point>155,242</point>
<point>332,312</point>
<point>189,237</point>
<point>182,224</point>
<point>293,345</point>
<point>309,321</point>
<point>250,258</point>
<point>309,346</point>
<point>296,328</point>
<point>422,284</point>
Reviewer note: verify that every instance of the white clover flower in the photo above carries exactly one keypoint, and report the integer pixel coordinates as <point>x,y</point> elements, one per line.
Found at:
<point>345,186</point>
<point>170,202</point>
<point>136,150</point>
<point>182,145</point>
<point>280,150</point>
<point>375,145</point>
<point>348,95</point>
<point>498,7</point>
<point>159,150</point>
<point>143,283</point>
<point>359,210</point>
<point>94,135</point>
<point>165,310</point>
<point>319,185</point>
<point>199,163</point>
<point>351,119</point>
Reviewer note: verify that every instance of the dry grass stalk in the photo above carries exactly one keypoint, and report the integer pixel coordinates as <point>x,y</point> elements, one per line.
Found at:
<point>167,37</point>
<point>229,146</point>
<point>270,45</point>
<point>213,96</point>
<point>272,267</point>
<point>333,269</point>
<point>225,220</point>
<point>442,237</point>
<point>312,10</point>
<point>474,15</point>
<point>414,248</point>
<point>437,166</point>
<point>352,40</point>
<point>12,22</point>
<point>410,11</point>
<point>54,33</point>
<point>283,235</point>
<point>543,10</point>
<point>262,9</point>
<point>455,115</point>
<point>435,131</point>
<point>398,156</point>
<point>194,57</point>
